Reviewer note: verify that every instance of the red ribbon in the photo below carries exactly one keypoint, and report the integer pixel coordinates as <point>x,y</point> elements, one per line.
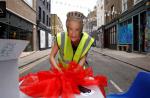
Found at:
<point>52,83</point>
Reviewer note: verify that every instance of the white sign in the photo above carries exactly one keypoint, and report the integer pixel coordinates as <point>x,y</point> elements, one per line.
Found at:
<point>42,39</point>
<point>50,39</point>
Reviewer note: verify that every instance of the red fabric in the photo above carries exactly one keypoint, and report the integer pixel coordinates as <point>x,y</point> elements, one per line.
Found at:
<point>52,83</point>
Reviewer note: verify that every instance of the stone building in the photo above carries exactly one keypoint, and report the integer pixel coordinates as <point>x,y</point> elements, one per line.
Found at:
<point>56,24</point>
<point>43,24</point>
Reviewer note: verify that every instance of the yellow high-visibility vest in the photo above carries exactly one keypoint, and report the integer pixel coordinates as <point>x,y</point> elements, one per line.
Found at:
<point>66,54</point>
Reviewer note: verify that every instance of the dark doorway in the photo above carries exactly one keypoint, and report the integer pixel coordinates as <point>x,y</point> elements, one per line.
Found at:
<point>142,31</point>
<point>106,38</point>
<point>136,32</point>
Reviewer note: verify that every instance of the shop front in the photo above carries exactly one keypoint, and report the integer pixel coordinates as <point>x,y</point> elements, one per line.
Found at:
<point>44,37</point>
<point>14,27</point>
<point>110,36</point>
<point>125,35</point>
<point>132,34</point>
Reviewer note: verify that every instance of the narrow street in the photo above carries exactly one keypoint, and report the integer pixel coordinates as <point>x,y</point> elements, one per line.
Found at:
<point>114,33</point>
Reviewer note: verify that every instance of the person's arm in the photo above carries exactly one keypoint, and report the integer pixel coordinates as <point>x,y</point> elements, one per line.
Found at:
<point>53,54</point>
<point>82,60</point>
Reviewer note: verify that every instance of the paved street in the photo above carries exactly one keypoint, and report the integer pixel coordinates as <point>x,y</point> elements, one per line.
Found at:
<point>120,75</point>
<point>42,64</point>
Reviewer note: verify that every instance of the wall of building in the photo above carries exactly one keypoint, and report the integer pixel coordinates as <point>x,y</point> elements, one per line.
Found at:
<point>20,22</point>
<point>127,30</point>
<point>56,24</point>
<point>43,23</point>
<point>22,9</point>
<point>110,15</point>
<point>90,22</point>
<point>100,13</point>
<point>46,7</point>
<point>130,4</point>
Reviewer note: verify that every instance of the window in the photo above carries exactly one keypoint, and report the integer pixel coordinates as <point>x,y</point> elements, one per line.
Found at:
<point>112,11</point>
<point>47,5</point>
<point>47,20</point>
<point>44,2</point>
<point>43,17</point>
<point>40,13</point>
<point>137,1</point>
<point>29,2</point>
<point>114,31</point>
<point>115,39</point>
<point>124,5</point>
<point>112,35</point>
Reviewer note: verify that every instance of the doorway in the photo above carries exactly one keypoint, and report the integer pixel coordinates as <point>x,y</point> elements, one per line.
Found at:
<point>142,31</point>
<point>136,33</point>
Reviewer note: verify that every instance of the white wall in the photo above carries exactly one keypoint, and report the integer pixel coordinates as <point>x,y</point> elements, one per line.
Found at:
<point>100,13</point>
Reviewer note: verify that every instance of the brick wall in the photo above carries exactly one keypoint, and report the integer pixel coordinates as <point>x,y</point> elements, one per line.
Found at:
<point>23,9</point>
<point>130,4</point>
<point>117,7</point>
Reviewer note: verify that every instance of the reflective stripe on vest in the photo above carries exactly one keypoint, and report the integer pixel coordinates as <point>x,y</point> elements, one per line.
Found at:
<point>88,45</point>
<point>66,52</point>
<point>80,48</point>
<point>62,40</point>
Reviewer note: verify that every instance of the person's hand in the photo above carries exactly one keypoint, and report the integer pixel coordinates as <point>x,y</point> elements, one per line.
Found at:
<point>59,69</point>
<point>78,68</point>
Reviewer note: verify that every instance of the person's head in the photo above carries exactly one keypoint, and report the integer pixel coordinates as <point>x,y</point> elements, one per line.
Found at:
<point>74,24</point>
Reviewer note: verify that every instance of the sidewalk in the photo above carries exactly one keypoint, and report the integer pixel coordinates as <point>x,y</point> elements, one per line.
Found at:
<point>29,57</point>
<point>138,60</point>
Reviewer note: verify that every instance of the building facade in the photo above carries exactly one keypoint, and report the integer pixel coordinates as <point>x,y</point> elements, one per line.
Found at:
<point>56,24</point>
<point>19,21</point>
<point>100,13</point>
<point>134,26</point>
<point>112,12</point>
<point>100,23</point>
<point>90,24</point>
<point>127,25</point>
<point>43,24</point>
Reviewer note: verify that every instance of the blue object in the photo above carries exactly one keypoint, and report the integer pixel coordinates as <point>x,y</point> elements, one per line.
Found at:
<point>125,34</point>
<point>140,88</point>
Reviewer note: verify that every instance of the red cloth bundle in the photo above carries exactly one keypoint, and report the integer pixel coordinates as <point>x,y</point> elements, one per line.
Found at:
<point>52,83</point>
